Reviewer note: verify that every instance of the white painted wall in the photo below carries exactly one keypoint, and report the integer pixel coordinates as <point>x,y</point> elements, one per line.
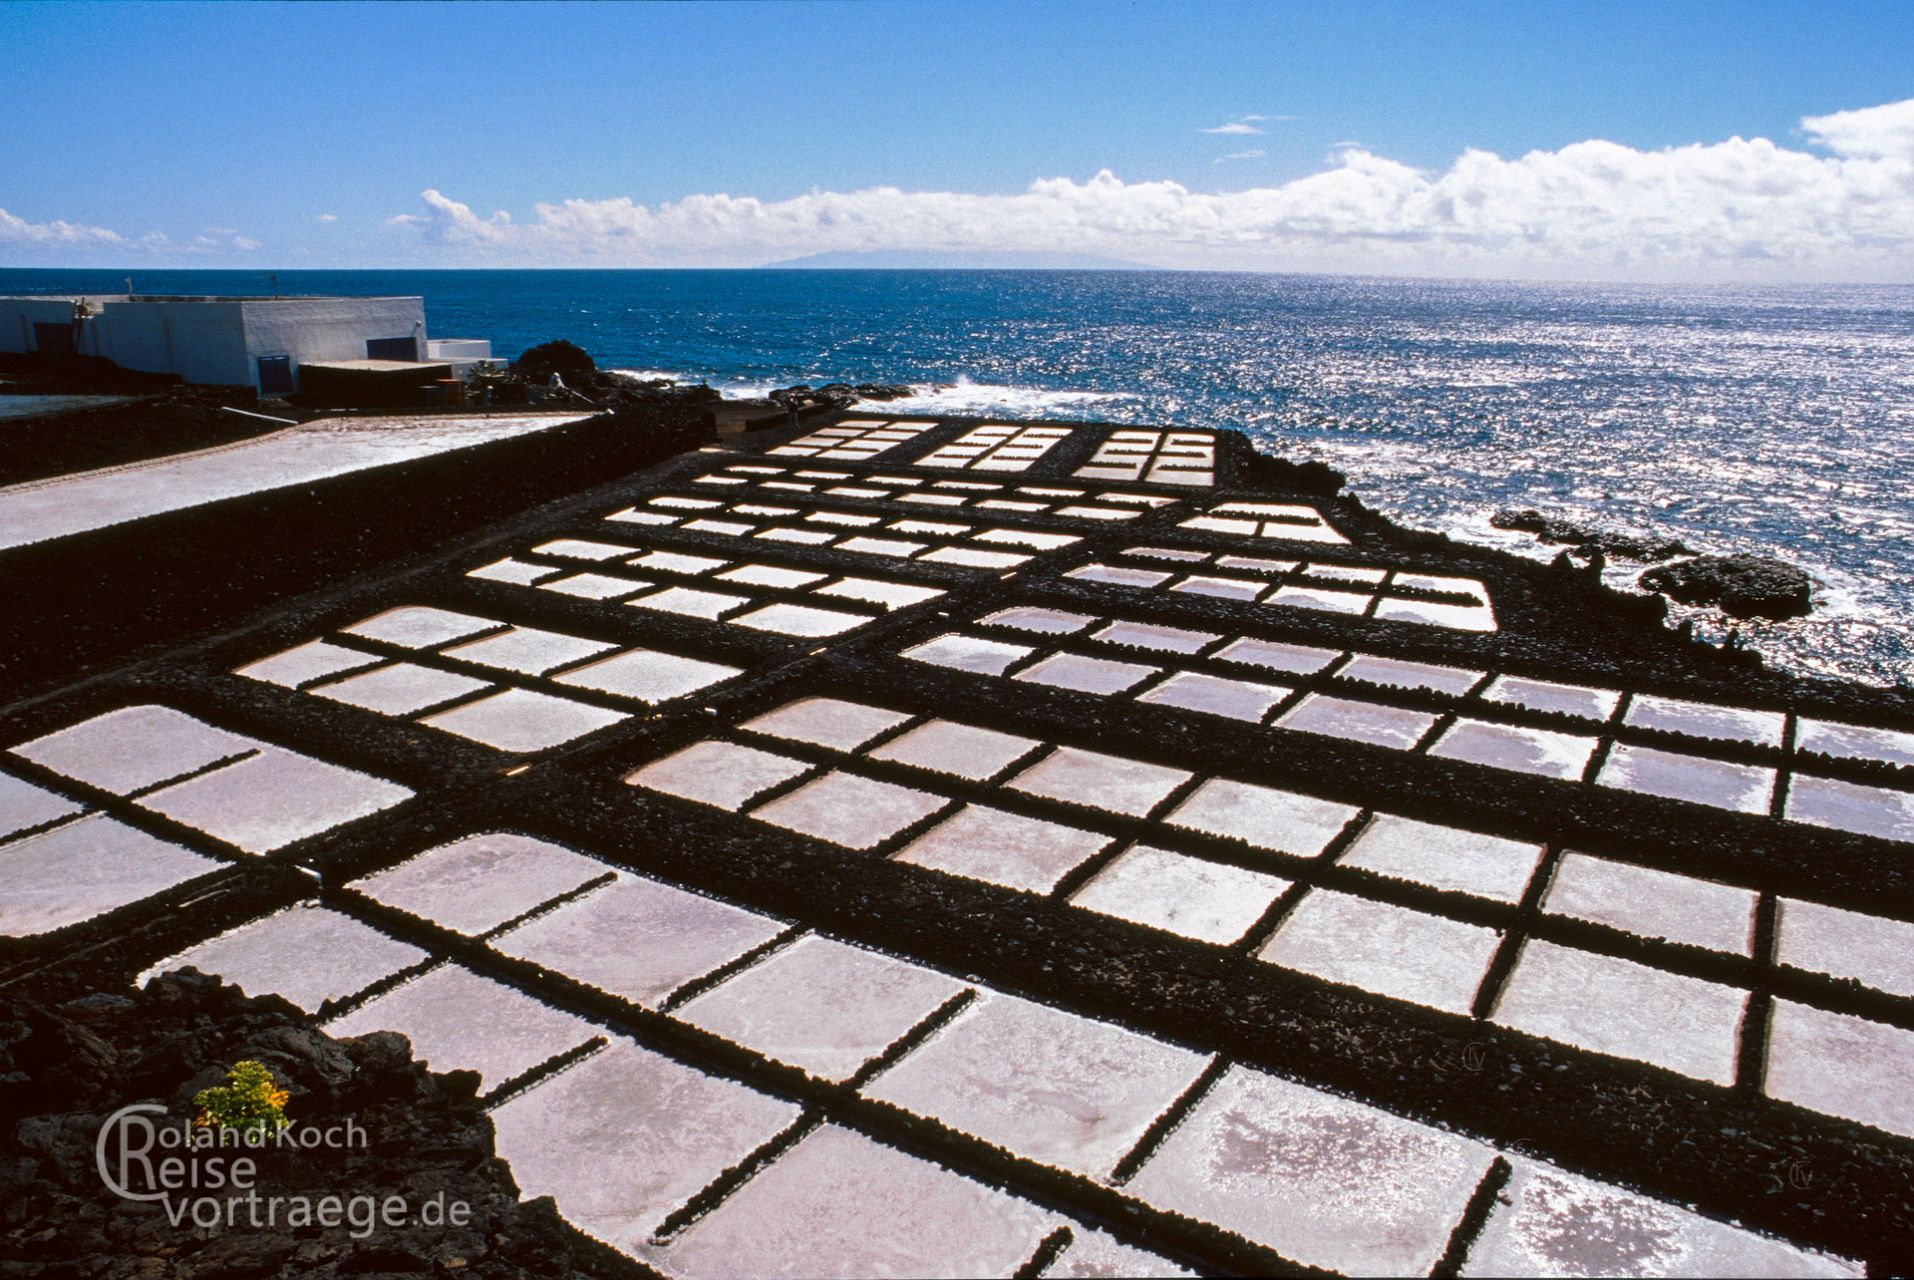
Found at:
<point>329,328</point>
<point>460,353</point>
<point>218,340</point>
<point>200,341</point>
<point>19,315</point>
<point>458,349</point>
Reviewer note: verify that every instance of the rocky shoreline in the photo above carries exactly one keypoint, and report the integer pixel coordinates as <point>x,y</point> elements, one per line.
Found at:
<point>1740,586</point>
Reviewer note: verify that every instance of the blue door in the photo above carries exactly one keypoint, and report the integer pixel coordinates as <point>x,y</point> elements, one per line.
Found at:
<point>275,375</point>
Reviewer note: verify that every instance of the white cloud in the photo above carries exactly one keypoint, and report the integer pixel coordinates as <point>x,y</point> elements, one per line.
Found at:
<point>1244,124</point>
<point>1738,209</point>
<point>213,240</point>
<point>1872,132</point>
<point>327,218</point>
<point>454,223</point>
<point>1837,205</point>
<point>19,232</point>
<point>1254,153</point>
<point>61,241</point>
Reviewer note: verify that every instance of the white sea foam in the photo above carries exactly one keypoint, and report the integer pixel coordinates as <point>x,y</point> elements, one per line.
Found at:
<point>962,398</point>
<point>970,399</point>
<point>730,388</point>
<point>655,375</point>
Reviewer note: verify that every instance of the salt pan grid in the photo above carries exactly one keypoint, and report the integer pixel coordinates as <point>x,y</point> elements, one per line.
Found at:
<point>1054,1087</point>
<point>1549,1222</point>
<point>926,538</point>
<point>1653,904</point>
<point>1842,1065</point>
<point>1606,1004</point>
<point>1342,694</point>
<point>1280,521</point>
<point>1155,457</point>
<point>594,939</point>
<point>243,792</point>
<point>996,447</point>
<point>1877,953</point>
<point>839,1204</point>
<point>1216,867</point>
<point>308,954</point>
<point>852,440</point>
<point>1092,1254</point>
<point>24,806</point>
<point>511,688</point>
<point>776,483</point>
<point>1854,742</point>
<point>1362,591</point>
<point>1221,855</point>
<point>823,1006</point>
<point>1325,1181</point>
<point>762,593</point>
<point>84,867</point>
<point>477,884</point>
<point>1385,949</point>
<point>458,1020</point>
<point>628,1137</point>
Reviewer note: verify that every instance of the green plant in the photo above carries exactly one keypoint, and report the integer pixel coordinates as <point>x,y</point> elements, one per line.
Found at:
<point>250,1101</point>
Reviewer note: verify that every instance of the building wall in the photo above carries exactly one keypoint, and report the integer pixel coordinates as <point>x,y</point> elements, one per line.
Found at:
<point>201,341</point>
<point>19,315</point>
<point>213,340</point>
<point>460,353</point>
<point>328,328</point>
<point>459,349</point>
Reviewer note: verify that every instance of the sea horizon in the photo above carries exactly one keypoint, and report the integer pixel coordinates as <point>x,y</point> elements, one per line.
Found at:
<point>1443,400</point>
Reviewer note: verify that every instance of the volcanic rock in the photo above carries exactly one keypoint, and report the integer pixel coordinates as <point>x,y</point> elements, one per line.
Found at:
<point>1558,532</point>
<point>65,1068</point>
<point>1743,586</point>
<point>557,356</point>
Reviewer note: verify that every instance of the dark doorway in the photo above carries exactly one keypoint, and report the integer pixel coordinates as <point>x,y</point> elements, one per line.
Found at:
<point>392,348</point>
<point>54,341</point>
<point>275,375</point>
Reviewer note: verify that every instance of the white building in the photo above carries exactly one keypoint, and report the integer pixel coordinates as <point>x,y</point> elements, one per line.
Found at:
<point>256,342</point>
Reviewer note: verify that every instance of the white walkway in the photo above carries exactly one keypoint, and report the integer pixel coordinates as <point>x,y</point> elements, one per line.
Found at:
<point>64,505</point>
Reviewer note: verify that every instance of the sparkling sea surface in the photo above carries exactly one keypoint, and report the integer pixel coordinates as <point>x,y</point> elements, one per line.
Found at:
<point>1766,420</point>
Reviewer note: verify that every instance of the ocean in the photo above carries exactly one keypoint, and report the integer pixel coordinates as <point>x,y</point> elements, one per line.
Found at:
<point>1774,421</point>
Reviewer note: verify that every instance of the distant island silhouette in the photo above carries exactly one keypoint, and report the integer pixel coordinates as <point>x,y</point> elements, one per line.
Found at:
<point>956,260</point>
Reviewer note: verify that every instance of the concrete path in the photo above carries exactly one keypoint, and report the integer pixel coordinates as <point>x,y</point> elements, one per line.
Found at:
<point>64,505</point>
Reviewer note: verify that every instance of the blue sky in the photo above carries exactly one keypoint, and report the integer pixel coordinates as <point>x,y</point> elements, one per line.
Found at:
<point>221,135</point>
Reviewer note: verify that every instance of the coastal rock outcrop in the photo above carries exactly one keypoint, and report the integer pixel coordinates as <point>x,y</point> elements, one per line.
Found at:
<point>1617,546</point>
<point>1317,479</point>
<point>1742,586</point>
<point>566,359</point>
<point>581,381</point>
<point>836,395</point>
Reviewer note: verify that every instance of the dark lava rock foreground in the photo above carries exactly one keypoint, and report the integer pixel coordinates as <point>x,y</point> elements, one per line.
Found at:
<point>65,1068</point>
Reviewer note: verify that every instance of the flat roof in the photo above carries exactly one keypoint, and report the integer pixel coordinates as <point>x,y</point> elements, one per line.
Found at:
<point>210,297</point>
<point>375,366</point>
